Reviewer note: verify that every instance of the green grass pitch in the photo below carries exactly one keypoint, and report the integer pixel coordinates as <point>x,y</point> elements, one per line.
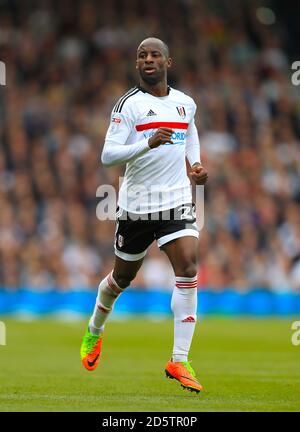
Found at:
<point>243,364</point>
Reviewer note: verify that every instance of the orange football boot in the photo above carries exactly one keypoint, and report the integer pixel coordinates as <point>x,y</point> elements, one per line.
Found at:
<point>90,350</point>
<point>184,373</point>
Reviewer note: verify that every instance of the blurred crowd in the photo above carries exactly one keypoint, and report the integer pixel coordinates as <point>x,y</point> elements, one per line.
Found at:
<point>67,64</point>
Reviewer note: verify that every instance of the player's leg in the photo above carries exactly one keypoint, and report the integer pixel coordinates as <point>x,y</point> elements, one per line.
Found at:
<point>109,290</point>
<point>132,240</point>
<point>183,255</point>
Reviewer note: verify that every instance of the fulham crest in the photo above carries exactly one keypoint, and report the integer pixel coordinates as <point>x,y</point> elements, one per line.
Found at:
<point>181,111</point>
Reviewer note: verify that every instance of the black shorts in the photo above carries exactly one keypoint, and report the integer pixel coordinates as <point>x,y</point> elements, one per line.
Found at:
<point>135,233</point>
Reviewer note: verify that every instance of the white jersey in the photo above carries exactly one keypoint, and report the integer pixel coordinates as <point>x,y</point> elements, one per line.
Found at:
<point>155,179</point>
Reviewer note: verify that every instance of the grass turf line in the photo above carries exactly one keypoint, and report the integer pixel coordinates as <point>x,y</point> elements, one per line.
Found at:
<point>243,364</point>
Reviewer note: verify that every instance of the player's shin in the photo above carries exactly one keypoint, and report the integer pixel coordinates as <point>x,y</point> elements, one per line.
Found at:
<point>184,307</point>
<point>108,292</point>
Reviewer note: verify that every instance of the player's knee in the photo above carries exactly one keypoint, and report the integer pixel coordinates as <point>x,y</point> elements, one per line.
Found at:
<point>123,280</point>
<point>188,269</point>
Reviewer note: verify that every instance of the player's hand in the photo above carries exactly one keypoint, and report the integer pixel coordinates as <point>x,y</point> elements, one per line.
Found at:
<point>161,136</point>
<point>199,174</point>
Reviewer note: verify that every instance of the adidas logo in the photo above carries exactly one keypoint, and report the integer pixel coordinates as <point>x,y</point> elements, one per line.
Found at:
<point>151,113</point>
<point>189,319</point>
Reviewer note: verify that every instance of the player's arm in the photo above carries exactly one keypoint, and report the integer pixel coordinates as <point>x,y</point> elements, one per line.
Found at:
<point>116,152</point>
<point>192,152</point>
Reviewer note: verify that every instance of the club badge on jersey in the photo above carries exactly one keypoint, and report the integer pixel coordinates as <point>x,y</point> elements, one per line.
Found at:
<point>181,111</point>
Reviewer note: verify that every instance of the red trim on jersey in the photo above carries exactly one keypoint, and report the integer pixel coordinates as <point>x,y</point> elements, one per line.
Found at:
<point>155,125</point>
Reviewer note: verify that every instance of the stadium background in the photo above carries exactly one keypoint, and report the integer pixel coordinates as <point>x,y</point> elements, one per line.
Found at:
<point>67,63</point>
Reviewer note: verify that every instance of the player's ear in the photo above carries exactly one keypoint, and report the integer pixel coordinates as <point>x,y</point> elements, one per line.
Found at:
<point>169,63</point>
<point>136,64</point>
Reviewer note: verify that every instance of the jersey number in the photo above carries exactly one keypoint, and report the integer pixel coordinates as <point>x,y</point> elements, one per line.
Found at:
<point>188,213</point>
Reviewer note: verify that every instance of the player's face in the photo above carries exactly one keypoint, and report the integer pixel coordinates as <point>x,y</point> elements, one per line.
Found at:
<point>152,63</point>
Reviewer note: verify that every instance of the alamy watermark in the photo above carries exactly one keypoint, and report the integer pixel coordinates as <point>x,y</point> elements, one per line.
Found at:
<point>2,73</point>
<point>2,333</point>
<point>296,335</point>
<point>296,75</point>
<point>140,200</point>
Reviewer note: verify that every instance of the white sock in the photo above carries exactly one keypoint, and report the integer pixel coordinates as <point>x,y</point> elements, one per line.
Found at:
<point>108,292</point>
<point>184,307</point>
